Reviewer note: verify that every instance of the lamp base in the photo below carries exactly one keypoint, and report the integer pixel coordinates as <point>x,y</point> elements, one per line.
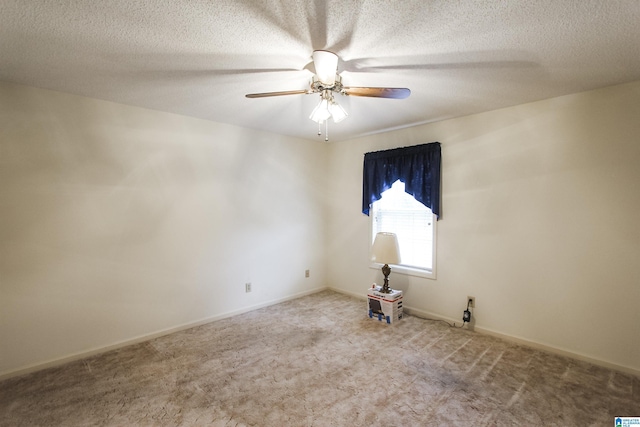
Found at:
<point>386,270</point>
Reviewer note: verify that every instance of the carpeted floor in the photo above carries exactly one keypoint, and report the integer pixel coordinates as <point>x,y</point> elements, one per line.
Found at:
<point>320,361</point>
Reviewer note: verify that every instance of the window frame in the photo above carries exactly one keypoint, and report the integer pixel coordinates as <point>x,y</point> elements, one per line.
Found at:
<point>404,269</point>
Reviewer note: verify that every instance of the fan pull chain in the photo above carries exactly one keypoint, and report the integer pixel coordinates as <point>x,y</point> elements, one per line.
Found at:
<point>326,130</point>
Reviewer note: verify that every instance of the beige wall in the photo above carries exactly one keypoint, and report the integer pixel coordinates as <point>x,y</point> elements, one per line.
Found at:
<point>540,222</point>
<point>119,222</point>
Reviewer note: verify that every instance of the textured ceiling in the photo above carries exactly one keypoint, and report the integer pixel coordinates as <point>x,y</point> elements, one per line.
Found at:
<point>200,57</point>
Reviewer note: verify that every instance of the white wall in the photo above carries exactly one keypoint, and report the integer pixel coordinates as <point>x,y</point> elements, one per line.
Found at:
<point>540,222</point>
<point>119,222</point>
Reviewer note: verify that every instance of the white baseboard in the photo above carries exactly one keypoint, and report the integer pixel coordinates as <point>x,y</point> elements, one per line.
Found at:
<point>517,340</point>
<point>409,310</point>
<point>142,338</point>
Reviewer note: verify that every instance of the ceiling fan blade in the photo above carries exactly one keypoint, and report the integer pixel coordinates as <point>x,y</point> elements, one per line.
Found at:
<point>287,92</point>
<point>326,64</point>
<point>470,60</point>
<point>378,92</point>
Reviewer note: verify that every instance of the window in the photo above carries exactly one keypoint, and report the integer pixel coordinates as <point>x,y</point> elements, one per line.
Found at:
<point>412,216</point>
<point>413,223</point>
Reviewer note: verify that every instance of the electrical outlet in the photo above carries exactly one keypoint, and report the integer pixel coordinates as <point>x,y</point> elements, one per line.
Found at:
<point>471,301</point>
<point>306,273</point>
<point>247,287</point>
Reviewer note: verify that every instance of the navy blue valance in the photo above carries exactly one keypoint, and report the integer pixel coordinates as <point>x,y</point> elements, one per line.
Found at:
<point>418,166</point>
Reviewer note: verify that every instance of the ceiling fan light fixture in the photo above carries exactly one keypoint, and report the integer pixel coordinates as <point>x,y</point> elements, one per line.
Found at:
<point>326,64</point>
<point>328,107</point>
<point>337,112</point>
<point>321,112</point>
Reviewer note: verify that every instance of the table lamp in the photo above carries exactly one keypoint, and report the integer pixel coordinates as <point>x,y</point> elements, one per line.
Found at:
<point>386,251</point>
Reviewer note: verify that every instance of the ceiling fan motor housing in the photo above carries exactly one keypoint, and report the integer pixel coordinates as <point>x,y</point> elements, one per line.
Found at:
<point>318,86</point>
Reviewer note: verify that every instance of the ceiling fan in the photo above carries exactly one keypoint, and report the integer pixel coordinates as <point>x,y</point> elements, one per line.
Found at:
<point>326,82</point>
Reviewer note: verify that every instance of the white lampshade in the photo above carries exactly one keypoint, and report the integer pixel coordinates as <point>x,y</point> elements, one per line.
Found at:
<point>321,112</point>
<point>386,249</point>
<point>337,112</point>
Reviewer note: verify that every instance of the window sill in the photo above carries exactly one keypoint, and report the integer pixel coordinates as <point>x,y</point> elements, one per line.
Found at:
<point>409,271</point>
